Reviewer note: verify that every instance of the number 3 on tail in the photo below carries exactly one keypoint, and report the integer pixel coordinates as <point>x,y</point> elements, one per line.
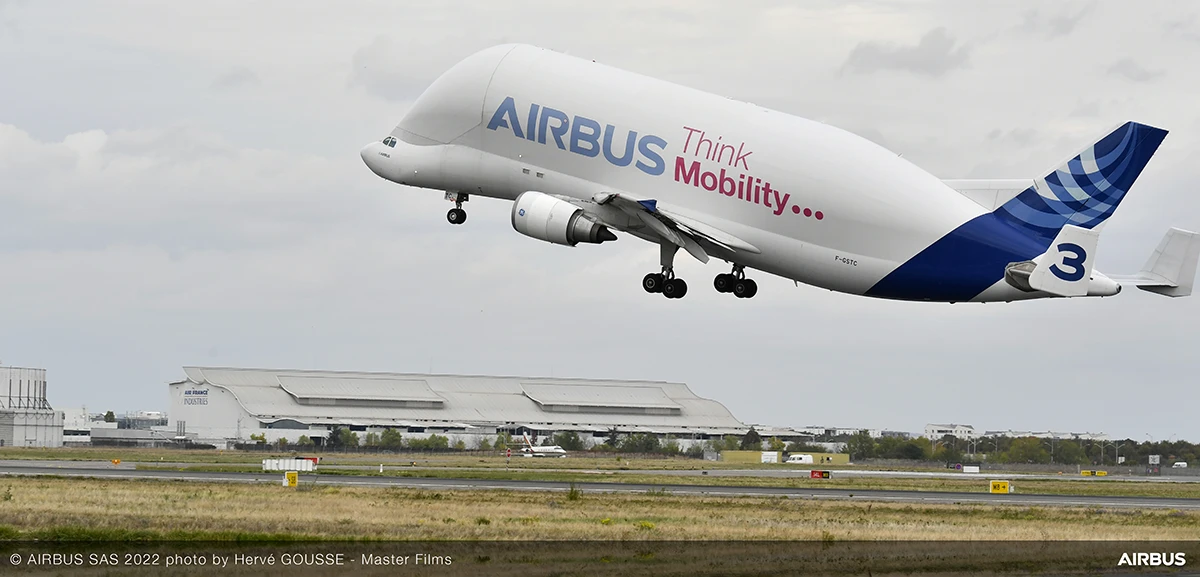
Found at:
<point>1075,262</point>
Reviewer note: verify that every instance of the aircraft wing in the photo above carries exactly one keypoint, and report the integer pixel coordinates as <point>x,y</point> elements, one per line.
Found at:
<point>680,230</point>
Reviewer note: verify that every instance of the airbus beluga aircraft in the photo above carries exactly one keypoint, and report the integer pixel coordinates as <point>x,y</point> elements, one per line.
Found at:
<point>583,149</point>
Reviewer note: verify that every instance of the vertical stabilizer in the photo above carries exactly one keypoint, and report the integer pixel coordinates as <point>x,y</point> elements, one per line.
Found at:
<point>1085,190</point>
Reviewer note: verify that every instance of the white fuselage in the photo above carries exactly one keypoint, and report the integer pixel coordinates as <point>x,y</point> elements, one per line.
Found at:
<point>824,206</point>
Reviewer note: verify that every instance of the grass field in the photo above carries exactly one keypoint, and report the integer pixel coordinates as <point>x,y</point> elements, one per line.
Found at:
<point>65,509</point>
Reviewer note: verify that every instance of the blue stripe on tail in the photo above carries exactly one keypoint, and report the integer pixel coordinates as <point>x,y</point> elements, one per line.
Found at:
<point>972,257</point>
<point>1088,189</point>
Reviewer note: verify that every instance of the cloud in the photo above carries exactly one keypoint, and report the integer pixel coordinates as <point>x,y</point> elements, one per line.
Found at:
<point>1133,71</point>
<point>178,188</point>
<point>1064,24</point>
<point>388,70</point>
<point>1058,25</point>
<point>1183,27</point>
<point>1019,136</point>
<point>237,77</point>
<point>1090,108</point>
<point>8,25</point>
<point>936,54</point>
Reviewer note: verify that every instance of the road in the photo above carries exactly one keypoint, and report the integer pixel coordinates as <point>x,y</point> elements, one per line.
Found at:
<point>98,470</point>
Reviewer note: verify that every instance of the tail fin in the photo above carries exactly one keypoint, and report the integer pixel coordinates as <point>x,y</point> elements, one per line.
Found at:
<point>1171,270</point>
<point>1086,189</point>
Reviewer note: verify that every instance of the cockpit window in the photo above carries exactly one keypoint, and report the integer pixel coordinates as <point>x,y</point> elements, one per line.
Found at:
<point>390,142</point>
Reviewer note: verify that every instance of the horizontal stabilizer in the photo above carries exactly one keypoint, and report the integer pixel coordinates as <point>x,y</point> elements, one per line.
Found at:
<point>1171,270</point>
<point>990,193</point>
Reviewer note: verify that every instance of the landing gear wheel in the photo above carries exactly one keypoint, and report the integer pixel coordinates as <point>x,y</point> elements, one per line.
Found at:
<point>745,288</point>
<point>674,288</point>
<point>456,216</point>
<point>653,282</point>
<point>724,282</point>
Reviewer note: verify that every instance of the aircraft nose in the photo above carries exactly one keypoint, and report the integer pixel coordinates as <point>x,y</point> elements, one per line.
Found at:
<point>372,158</point>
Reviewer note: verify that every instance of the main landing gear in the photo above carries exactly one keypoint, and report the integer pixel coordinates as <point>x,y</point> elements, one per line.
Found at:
<point>665,282</point>
<point>736,282</point>
<point>457,215</point>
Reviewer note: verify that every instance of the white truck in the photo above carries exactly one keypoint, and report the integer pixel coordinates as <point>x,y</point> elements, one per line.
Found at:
<point>800,459</point>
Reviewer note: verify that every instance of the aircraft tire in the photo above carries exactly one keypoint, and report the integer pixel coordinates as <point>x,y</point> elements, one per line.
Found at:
<point>653,282</point>
<point>456,216</point>
<point>741,289</point>
<point>674,288</point>
<point>752,288</point>
<point>724,282</point>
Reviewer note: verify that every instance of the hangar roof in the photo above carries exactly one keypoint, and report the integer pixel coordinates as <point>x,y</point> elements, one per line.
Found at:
<point>396,399</point>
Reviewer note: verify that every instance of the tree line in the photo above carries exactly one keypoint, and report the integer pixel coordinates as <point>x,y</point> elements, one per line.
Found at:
<point>1003,449</point>
<point>861,445</point>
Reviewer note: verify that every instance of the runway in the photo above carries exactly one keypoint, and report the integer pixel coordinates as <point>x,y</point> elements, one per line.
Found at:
<point>93,470</point>
<point>781,472</point>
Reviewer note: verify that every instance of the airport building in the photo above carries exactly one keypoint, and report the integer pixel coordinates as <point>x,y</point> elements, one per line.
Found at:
<point>935,431</point>
<point>78,425</point>
<point>1049,435</point>
<point>26,417</point>
<point>224,406</point>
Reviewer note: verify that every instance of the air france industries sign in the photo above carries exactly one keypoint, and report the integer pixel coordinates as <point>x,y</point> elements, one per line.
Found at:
<point>195,396</point>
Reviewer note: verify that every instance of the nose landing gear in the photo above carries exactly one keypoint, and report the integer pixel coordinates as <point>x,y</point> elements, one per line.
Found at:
<point>736,282</point>
<point>457,215</point>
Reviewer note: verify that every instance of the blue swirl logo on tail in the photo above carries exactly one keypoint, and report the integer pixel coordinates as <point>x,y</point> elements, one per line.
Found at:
<point>1084,192</point>
<point>1087,189</point>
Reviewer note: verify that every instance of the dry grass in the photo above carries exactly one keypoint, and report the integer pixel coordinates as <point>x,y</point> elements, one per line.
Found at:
<point>64,507</point>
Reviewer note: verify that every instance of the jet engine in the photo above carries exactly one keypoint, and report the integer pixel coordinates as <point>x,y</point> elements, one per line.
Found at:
<point>544,217</point>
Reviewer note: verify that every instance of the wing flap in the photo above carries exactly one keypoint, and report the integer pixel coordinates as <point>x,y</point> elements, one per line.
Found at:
<point>677,229</point>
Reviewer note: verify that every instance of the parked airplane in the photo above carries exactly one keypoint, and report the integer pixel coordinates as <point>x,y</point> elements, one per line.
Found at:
<point>531,450</point>
<point>584,149</point>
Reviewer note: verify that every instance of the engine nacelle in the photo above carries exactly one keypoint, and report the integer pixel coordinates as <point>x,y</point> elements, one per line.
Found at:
<point>544,217</point>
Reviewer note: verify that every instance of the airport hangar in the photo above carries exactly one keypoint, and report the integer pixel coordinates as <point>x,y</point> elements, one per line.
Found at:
<point>224,406</point>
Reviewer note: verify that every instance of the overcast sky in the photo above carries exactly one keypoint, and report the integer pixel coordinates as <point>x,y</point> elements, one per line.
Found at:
<point>180,184</point>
